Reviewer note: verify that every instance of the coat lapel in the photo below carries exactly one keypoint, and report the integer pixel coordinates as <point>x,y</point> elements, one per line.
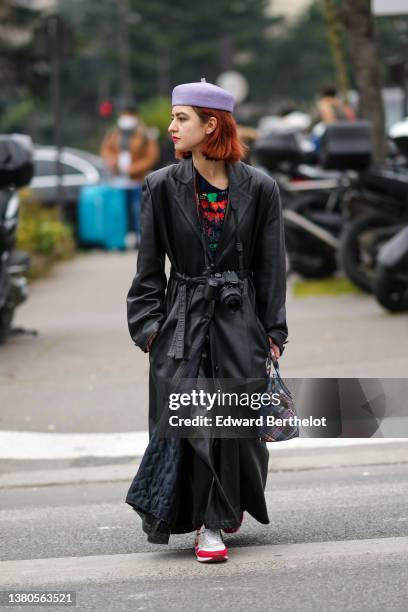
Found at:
<point>184,196</point>
<point>239,197</point>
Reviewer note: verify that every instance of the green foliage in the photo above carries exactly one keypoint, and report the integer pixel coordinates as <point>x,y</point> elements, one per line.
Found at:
<point>332,286</point>
<point>43,235</point>
<point>17,22</point>
<point>15,115</point>
<point>167,44</point>
<point>156,112</point>
<point>299,60</point>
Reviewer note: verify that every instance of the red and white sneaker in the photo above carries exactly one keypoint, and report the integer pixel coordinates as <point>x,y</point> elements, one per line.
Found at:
<point>235,529</point>
<point>209,546</point>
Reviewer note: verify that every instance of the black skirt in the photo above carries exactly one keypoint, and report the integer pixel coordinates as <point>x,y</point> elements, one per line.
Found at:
<point>185,483</point>
<point>221,477</point>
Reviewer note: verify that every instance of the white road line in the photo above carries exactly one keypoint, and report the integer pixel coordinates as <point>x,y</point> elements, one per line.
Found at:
<point>45,445</point>
<point>181,563</point>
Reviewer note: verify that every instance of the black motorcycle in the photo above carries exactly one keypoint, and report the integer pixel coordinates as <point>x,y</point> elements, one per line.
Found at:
<point>313,195</point>
<point>376,208</point>
<point>390,285</point>
<point>377,211</point>
<point>16,170</point>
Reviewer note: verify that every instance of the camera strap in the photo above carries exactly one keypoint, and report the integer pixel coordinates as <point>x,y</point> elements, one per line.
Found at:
<point>238,245</point>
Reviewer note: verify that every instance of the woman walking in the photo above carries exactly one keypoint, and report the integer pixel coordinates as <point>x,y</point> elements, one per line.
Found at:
<point>216,218</point>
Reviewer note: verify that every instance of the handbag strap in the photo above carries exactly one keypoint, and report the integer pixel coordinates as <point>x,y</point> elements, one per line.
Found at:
<point>274,361</point>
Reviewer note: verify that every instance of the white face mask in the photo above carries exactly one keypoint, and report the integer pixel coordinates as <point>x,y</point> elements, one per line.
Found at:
<point>127,122</point>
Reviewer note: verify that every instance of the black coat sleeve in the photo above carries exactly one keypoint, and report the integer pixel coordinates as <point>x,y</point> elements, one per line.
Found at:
<point>145,299</point>
<point>270,265</point>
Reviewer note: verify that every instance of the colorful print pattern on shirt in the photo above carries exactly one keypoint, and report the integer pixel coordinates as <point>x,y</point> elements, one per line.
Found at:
<point>213,206</point>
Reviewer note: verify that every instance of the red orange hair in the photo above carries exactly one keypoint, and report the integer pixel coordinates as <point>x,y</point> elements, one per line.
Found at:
<point>223,143</point>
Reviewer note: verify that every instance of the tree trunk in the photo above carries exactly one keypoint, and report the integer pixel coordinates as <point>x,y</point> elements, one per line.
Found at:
<point>336,47</point>
<point>359,24</point>
<point>124,51</point>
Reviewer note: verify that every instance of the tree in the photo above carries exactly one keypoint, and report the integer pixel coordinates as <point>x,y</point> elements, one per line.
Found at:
<point>359,23</point>
<point>145,48</point>
<point>336,46</point>
<point>16,25</point>
<point>293,62</point>
<point>160,47</point>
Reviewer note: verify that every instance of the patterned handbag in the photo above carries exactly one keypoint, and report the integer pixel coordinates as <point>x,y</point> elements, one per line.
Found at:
<point>281,427</point>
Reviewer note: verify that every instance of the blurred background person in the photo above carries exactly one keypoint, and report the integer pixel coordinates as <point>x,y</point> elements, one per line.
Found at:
<point>131,150</point>
<point>331,108</point>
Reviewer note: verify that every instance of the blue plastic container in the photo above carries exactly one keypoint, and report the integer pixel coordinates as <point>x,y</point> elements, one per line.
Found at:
<point>102,216</point>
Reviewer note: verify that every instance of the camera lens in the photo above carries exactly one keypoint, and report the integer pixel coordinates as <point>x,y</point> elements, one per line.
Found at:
<point>233,302</point>
<point>231,296</point>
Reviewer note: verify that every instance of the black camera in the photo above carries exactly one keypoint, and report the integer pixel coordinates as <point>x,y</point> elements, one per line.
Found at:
<point>227,287</point>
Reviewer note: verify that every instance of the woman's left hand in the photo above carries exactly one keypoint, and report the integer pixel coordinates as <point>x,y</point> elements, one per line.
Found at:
<point>274,348</point>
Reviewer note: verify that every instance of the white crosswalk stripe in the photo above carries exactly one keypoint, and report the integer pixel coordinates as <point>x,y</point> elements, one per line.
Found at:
<point>172,564</point>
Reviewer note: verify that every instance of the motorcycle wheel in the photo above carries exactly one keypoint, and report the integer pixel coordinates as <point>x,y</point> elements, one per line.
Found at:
<point>309,260</point>
<point>358,253</point>
<point>390,290</point>
<point>314,267</point>
<point>6,318</point>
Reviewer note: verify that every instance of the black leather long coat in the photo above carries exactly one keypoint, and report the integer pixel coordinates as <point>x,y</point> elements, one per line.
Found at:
<point>177,310</point>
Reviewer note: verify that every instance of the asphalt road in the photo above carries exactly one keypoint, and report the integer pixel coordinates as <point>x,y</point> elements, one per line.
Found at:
<point>337,540</point>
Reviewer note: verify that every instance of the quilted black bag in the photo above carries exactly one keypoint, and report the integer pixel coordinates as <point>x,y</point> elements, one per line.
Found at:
<point>283,425</point>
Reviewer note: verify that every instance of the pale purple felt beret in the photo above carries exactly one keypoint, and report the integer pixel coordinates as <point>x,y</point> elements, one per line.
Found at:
<point>202,94</point>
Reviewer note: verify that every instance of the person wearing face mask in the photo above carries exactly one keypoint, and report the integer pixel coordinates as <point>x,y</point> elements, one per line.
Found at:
<point>131,151</point>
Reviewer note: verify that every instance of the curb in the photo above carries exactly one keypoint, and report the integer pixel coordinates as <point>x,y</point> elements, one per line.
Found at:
<point>339,456</point>
<point>298,457</point>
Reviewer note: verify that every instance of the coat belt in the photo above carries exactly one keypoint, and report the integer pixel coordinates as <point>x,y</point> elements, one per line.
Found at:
<point>176,349</point>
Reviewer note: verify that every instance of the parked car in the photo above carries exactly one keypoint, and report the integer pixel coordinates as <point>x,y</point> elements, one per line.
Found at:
<point>79,168</point>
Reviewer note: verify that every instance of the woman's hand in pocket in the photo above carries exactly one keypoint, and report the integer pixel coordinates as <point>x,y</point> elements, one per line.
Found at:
<point>274,348</point>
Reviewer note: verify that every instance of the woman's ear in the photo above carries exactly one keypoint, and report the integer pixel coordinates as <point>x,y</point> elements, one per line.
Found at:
<point>211,125</point>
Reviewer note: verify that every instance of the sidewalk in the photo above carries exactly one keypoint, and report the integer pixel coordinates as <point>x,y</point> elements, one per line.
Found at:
<point>83,376</point>
<point>344,336</point>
